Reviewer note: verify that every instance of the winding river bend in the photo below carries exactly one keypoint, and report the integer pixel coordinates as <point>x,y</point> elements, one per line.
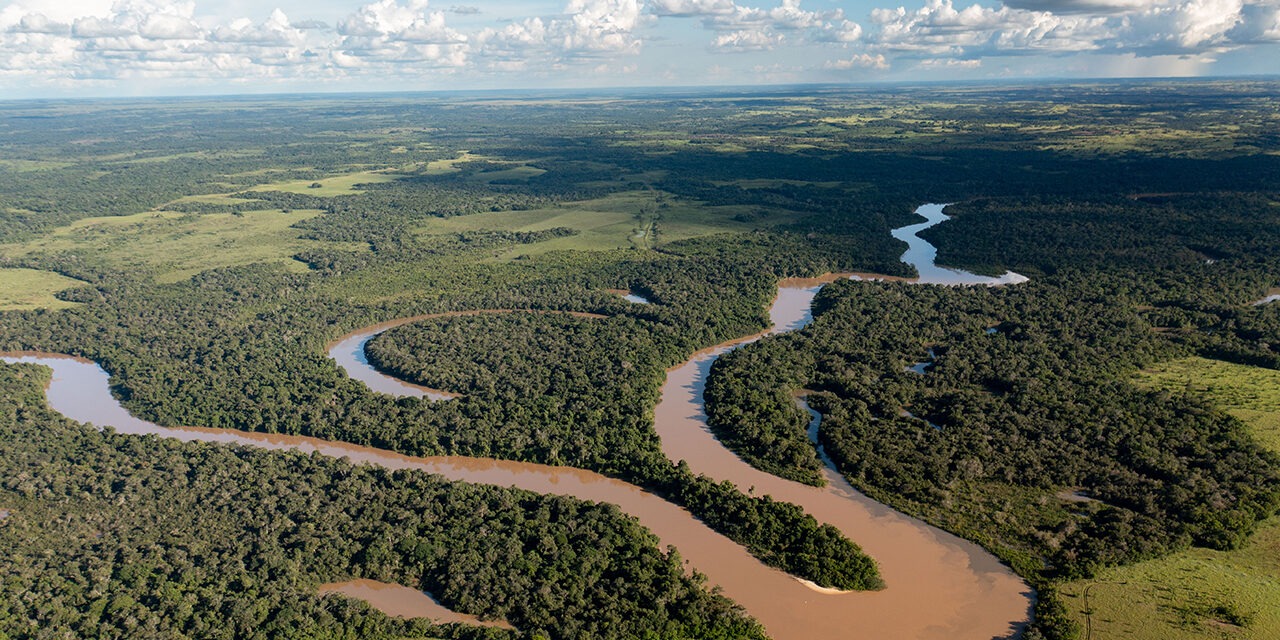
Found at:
<point>921,255</point>
<point>939,586</point>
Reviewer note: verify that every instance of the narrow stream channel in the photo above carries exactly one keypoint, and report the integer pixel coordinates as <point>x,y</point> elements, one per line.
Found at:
<point>401,601</point>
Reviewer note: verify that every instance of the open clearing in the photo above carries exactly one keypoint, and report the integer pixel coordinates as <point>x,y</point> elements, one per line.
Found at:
<point>33,289</point>
<point>1191,595</point>
<point>343,185</point>
<point>641,219</point>
<point>332,186</point>
<point>18,165</point>
<point>1251,394</point>
<point>176,246</point>
<point>1198,594</point>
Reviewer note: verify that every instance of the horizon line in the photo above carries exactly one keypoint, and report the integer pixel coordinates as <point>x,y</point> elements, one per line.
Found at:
<point>660,89</point>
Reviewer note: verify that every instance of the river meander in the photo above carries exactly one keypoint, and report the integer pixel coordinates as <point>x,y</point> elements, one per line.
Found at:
<point>938,586</point>
<point>922,255</point>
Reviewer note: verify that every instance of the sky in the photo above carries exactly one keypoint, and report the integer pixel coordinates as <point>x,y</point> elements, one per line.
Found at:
<point>80,48</point>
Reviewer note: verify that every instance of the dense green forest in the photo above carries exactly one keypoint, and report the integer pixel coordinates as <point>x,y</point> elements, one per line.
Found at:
<point>1025,431</point>
<point>120,536</point>
<point>223,243</point>
<point>604,376</point>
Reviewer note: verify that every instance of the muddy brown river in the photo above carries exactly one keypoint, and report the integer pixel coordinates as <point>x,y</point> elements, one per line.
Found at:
<point>401,601</point>
<point>938,586</point>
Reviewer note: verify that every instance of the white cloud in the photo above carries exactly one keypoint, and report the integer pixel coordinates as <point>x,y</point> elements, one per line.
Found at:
<point>746,40</point>
<point>276,30</point>
<point>388,21</point>
<point>68,41</point>
<point>1066,7</point>
<point>846,31</point>
<point>746,28</point>
<point>95,27</point>
<point>692,8</point>
<point>382,18</point>
<point>601,26</point>
<point>859,61</point>
<point>132,39</point>
<point>61,11</point>
<point>1200,22</point>
<point>588,29</point>
<point>1154,27</point>
<point>1259,23</point>
<point>37,23</point>
<point>517,36</point>
<point>948,63</point>
<point>169,27</point>
<point>401,39</point>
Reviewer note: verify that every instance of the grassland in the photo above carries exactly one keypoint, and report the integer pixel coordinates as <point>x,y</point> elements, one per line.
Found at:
<point>341,185</point>
<point>618,222</point>
<point>641,219</point>
<point>32,289</point>
<point>175,246</point>
<point>1197,594</point>
<point>1251,394</point>
<point>767,183</point>
<point>449,165</point>
<point>18,165</point>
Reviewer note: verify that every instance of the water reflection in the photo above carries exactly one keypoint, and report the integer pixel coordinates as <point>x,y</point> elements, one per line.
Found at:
<point>921,255</point>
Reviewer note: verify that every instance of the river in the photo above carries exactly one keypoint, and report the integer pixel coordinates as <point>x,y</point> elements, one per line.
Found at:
<point>922,255</point>
<point>938,586</point>
<point>401,601</point>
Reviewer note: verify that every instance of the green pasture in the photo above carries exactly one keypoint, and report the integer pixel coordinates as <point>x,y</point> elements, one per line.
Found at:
<point>18,165</point>
<point>33,289</point>
<point>639,219</point>
<point>1197,594</point>
<point>1251,394</point>
<point>175,246</point>
<point>341,185</point>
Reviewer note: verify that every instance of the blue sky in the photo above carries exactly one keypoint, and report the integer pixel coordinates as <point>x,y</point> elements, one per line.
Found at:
<point>52,48</point>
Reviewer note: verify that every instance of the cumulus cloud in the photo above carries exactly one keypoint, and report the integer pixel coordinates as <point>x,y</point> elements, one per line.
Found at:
<point>1154,27</point>
<point>692,8</point>
<point>62,11</point>
<point>389,21</point>
<point>275,31</point>
<point>1196,23</point>
<point>72,40</point>
<point>1067,7</point>
<point>746,40</point>
<point>586,30</point>
<point>399,37</point>
<point>1259,24</point>
<point>858,61</point>
<point>311,24</point>
<point>948,63</point>
<point>38,23</point>
<point>745,28</point>
<point>95,27</point>
<point>132,39</point>
<point>601,26</point>
<point>84,40</point>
